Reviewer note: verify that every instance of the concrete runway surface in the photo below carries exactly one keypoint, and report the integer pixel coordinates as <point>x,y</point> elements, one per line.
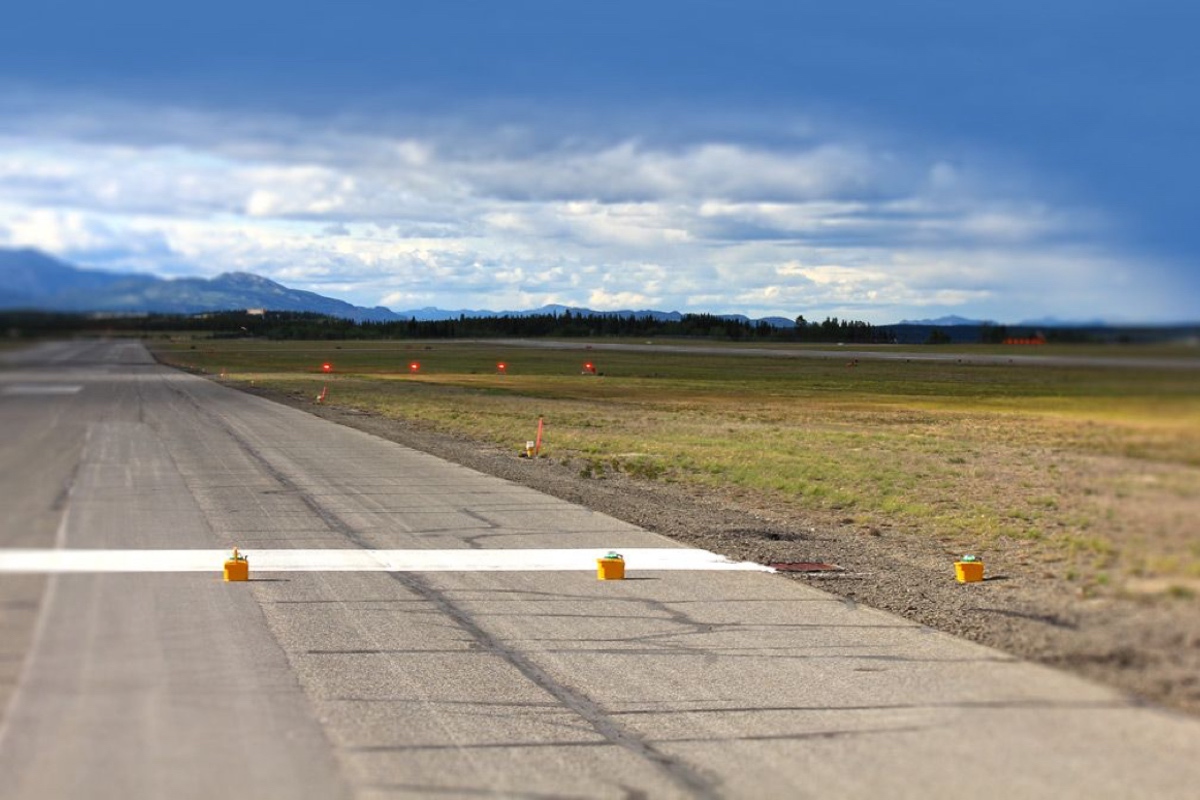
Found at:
<point>401,682</point>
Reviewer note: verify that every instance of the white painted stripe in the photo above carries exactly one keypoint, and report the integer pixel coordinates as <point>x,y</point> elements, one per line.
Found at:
<point>32,389</point>
<point>636,558</point>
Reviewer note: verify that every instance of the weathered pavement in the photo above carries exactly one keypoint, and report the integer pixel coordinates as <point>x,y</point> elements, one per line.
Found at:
<point>509,683</point>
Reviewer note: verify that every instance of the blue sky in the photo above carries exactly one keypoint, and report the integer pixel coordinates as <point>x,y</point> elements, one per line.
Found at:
<point>867,160</point>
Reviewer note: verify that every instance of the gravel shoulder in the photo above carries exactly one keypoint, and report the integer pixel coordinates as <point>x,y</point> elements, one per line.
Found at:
<point>1148,645</point>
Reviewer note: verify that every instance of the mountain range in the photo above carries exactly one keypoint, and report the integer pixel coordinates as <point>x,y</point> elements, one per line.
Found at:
<point>32,280</point>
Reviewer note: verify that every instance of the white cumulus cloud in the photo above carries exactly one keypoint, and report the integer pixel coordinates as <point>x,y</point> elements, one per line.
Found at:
<point>452,216</point>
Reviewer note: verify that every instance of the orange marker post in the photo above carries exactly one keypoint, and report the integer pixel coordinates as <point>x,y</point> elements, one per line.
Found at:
<point>537,444</point>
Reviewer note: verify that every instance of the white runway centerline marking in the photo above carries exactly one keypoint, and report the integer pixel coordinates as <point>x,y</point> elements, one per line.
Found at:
<point>636,559</point>
<point>36,389</point>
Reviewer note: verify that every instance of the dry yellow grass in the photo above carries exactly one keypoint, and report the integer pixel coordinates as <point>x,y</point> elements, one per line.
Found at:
<point>1094,471</point>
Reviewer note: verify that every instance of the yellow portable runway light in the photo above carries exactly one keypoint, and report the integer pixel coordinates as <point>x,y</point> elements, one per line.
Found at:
<point>237,567</point>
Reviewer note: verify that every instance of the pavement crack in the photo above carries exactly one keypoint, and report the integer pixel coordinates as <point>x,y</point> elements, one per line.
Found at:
<point>596,717</point>
<point>683,774</point>
<point>64,494</point>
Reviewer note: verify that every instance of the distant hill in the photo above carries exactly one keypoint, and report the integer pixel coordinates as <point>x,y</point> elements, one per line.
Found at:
<point>33,280</point>
<point>30,279</point>
<point>945,321</point>
<point>1041,322</point>
<point>1055,322</point>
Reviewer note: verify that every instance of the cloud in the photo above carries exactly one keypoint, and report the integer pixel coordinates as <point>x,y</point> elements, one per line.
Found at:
<point>442,212</point>
<point>619,301</point>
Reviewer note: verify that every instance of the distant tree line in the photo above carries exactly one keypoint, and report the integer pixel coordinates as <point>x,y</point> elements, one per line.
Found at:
<point>832,329</point>
<point>310,326</point>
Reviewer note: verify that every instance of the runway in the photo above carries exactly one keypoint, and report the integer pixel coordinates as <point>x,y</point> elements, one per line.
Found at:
<point>416,629</point>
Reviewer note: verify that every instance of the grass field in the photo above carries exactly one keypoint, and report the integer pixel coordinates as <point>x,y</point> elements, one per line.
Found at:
<point>1093,471</point>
